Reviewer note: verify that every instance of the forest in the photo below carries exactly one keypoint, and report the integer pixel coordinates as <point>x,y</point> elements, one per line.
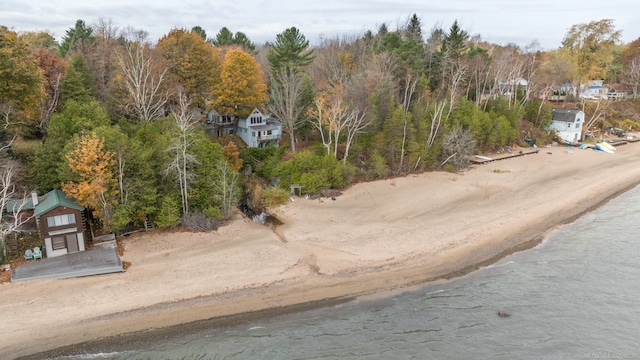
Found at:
<point>116,121</point>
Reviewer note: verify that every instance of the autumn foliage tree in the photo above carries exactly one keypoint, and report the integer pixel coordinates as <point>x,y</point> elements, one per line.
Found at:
<point>241,84</point>
<point>591,47</point>
<point>233,155</point>
<point>192,63</point>
<point>95,186</point>
<point>53,69</point>
<point>21,84</point>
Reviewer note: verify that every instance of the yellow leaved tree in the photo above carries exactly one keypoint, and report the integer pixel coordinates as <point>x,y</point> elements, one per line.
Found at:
<point>242,85</point>
<point>95,185</point>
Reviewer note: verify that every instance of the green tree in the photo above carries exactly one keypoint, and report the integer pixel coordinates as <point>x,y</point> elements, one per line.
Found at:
<point>78,83</point>
<point>75,117</point>
<point>223,38</point>
<point>226,38</point>
<point>291,50</point>
<point>168,213</point>
<point>455,43</point>
<point>136,174</point>
<point>216,188</point>
<point>413,29</point>
<point>200,31</point>
<point>78,38</point>
<point>314,172</point>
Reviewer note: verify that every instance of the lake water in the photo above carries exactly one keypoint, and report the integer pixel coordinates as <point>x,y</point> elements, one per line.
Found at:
<point>576,295</point>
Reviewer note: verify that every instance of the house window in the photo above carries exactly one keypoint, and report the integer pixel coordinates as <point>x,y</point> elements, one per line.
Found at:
<point>57,243</point>
<point>577,125</point>
<point>60,220</point>
<point>268,132</point>
<point>254,133</point>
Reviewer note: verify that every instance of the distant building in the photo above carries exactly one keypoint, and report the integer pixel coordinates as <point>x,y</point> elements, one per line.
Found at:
<point>567,124</point>
<point>593,90</point>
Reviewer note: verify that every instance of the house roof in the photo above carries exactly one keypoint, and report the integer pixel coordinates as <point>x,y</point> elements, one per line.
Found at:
<point>564,115</point>
<point>46,203</point>
<point>53,199</point>
<point>25,204</point>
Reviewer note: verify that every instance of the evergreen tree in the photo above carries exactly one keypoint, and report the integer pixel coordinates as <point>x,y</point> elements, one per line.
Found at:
<point>414,29</point>
<point>291,50</point>
<point>77,38</point>
<point>200,31</point>
<point>223,38</point>
<point>78,83</point>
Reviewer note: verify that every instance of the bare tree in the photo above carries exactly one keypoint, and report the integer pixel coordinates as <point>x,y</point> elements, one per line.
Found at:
<point>144,83</point>
<point>185,120</point>
<point>599,112</point>
<point>287,100</point>
<point>357,123</point>
<point>50,103</point>
<point>14,204</point>
<point>632,75</point>
<point>457,146</point>
<point>321,119</point>
<point>226,186</point>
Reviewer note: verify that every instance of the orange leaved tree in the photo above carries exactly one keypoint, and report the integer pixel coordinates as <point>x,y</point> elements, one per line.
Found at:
<point>95,185</point>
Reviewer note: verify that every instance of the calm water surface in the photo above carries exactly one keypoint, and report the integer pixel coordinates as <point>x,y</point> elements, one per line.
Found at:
<point>577,295</point>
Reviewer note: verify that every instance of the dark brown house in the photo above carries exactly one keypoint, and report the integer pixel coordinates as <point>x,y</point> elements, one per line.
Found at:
<point>60,221</point>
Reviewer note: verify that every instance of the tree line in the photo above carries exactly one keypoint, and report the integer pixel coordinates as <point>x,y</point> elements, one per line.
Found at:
<point>115,120</point>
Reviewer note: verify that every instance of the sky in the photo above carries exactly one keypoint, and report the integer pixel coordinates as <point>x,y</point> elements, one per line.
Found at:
<point>497,21</point>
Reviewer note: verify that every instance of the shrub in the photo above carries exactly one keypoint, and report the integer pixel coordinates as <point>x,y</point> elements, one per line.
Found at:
<point>313,172</point>
<point>274,196</point>
<point>168,214</point>
<point>198,221</point>
<point>376,167</point>
<point>449,168</point>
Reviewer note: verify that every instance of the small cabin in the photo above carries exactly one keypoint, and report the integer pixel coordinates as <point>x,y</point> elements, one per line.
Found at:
<point>59,219</point>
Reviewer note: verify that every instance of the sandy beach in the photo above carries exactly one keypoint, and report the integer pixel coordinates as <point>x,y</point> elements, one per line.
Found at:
<point>376,236</point>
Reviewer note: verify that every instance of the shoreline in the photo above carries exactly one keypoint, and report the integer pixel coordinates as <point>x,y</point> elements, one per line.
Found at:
<point>155,336</point>
<point>334,282</point>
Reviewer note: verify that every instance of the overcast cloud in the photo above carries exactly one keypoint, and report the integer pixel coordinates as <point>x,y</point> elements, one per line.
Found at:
<point>497,21</point>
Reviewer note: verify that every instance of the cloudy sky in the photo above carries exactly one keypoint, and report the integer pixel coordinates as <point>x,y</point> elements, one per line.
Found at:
<point>497,21</point>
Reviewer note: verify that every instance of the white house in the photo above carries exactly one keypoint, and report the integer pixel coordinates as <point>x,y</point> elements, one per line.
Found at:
<point>594,90</point>
<point>567,124</point>
<point>258,130</point>
<point>507,88</point>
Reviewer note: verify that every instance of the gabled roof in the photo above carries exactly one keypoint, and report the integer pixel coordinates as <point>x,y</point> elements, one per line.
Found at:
<point>564,115</point>
<point>52,200</point>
